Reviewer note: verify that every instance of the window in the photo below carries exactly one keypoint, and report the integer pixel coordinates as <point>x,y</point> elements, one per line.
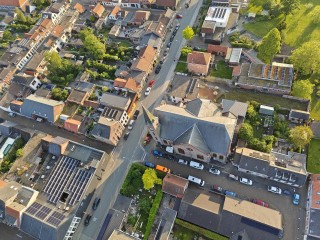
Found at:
<point>190,149</point>
<point>221,157</point>
<point>180,150</point>
<point>200,157</point>
<point>165,142</point>
<point>214,155</point>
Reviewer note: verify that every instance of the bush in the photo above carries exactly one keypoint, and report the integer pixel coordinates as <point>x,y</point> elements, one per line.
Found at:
<point>241,41</point>
<point>152,213</point>
<point>11,156</point>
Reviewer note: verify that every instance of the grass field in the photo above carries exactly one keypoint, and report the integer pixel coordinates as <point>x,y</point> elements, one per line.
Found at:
<point>313,163</point>
<point>181,67</point>
<point>263,98</point>
<point>223,71</point>
<point>300,27</point>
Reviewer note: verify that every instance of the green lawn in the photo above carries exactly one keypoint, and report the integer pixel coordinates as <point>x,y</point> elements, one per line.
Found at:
<point>223,70</point>
<point>181,67</point>
<point>300,27</point>
<point>315,107</point>
<point>313,163</point>
<point>261,28</point>
<point>263,98</point>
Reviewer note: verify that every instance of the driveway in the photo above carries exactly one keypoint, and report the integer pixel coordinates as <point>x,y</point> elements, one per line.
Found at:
<point>293,216</point>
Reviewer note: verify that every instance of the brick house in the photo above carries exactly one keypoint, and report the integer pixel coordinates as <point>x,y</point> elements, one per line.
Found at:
<point>199,63</point>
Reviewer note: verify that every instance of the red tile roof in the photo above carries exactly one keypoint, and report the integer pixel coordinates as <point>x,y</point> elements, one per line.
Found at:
<point>174,185</point>
<point>236,71</point>
<point>79,8</point>
<point>115,11</point>
<point>145,59</point>
<point>119,82</point>
<point>132,85</point>
<point>57,31</point>
<point>72,125</point>
<point>200,58</point>
<point>16,3</point>
<point>315,179</point>
<point>98,10</point>
<point>217,49</point>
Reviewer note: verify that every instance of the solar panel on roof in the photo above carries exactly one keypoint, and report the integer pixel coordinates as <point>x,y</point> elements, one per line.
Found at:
<point>55,218</point>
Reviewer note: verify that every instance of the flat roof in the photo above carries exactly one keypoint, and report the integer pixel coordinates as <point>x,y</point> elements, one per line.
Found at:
<point>235,55</point>
<point>119,235</point>
<point>254,212</point>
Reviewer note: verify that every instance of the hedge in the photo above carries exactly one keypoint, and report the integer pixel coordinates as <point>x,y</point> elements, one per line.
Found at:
<point>11,156</point>
<point>152,214</point>
<point>133,181</point>
<point>202,231</point>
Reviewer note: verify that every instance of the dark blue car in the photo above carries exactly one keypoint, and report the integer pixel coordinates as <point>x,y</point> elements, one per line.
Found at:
<point>158,153</point>
<point>149,164</point>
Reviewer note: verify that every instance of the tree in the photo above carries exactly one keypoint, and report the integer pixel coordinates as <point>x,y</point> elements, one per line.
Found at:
<point>149,178</point>
<point>145,206</point>
<point>185,51</point>
<point>288,6</point>
<point>19,153</point>
<point>246,132</point>
<point>315,15</point>
<point>104,89</point>
<point>59,94</point>
<point>306,57</point>
<point>6,36</point>
<point>188,33</point>
<point>270,45</point>
<point>301,136</point>
<point>20,16</point>
<point>92,44</point>
<point>302,89</point>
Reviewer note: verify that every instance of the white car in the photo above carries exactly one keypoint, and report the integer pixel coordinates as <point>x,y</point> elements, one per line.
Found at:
<point>274,189</point>
<point>147,92</point>
<point>214,171</point>
<point>183,162</point>
<point>245,181</point>
<point>130,125</point>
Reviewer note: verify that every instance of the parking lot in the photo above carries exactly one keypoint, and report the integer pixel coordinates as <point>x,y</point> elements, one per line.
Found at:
<point>293,216</point>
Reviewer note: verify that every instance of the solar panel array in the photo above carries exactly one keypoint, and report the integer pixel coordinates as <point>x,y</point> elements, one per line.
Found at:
<point>44,211</point>
<point>191,85</point>
<point>33,208</point>
<point>219,13</point>
<point>110,113</point>
<point>38,210</point>
<point>60,177</point>
<point>78,184</point>
<point>56,218</point>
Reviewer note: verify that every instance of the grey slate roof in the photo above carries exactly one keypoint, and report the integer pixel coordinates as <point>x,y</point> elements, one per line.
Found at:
<point>201,107</point>
<point>101,131</point>
<point>113,100</point>
<point>216,131</point>
<point>253,164</point>
<point>40,106</point>
<point>166,224</point>
<point>299,114</point>
<point>193,137</point>
<point>239,109</point>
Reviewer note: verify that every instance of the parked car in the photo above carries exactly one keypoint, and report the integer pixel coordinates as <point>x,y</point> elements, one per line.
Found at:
<point>151,83</point>
<point>234,177</point>
<point>229,193</point>
<point>183,162</point>
<point>260,202</point>
<point>158,153</point>
<point>169,44</point>
<point>214,171</point>
<point>158,68</point>
<point>177,27</point>
<point>168,156</point>
<point>274,189</point>
<point>196,48</point>
<point>11,114</point>
<point>147,92</point>
<point>296,199</point>
<point>179,16</point>
<point>136,114</point>
<point>125,137</point>
<point>130,125</point>
<point>96,203</point>
<point>149,164</point>
<point>286,192</point>
<point>196,165</point>
<point>87,220</point>
<point>186,5</point>
<point>245,181</point>
<point>172,37</point>
<point>217,189</point>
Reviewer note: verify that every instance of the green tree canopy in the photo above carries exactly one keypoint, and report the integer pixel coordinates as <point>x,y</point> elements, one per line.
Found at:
<point>20,16</point>
<point>59,94</point>
<point>315,15</point>
<point>188,33</point>
<point>270,45</point>
<point>301,136</point>
<point>6,36</point>
<point>149,178</point>
<point>288,6</point>
<point>246,132</point>
<point>19,153</point>
<point>92,44</point>
<point>302,89</point>
<point>306,57</point>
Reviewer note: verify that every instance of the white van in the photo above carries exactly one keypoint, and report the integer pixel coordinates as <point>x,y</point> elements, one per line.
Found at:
<point>196,180</point>
<point>196,165</point>
<point>130,125</point>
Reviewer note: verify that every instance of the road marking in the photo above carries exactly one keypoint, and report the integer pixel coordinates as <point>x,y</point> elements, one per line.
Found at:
<point>144,156</point>
<point>112,152</point>
<point>18,235</point>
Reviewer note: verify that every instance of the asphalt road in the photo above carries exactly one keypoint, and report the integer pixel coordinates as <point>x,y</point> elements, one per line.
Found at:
<point>293,216</point>
<point>130,150</point>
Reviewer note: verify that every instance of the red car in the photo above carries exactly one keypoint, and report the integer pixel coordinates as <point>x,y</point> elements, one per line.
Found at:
<point>260,202</point>
<point>151,83</point>
<point>178,16</point>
